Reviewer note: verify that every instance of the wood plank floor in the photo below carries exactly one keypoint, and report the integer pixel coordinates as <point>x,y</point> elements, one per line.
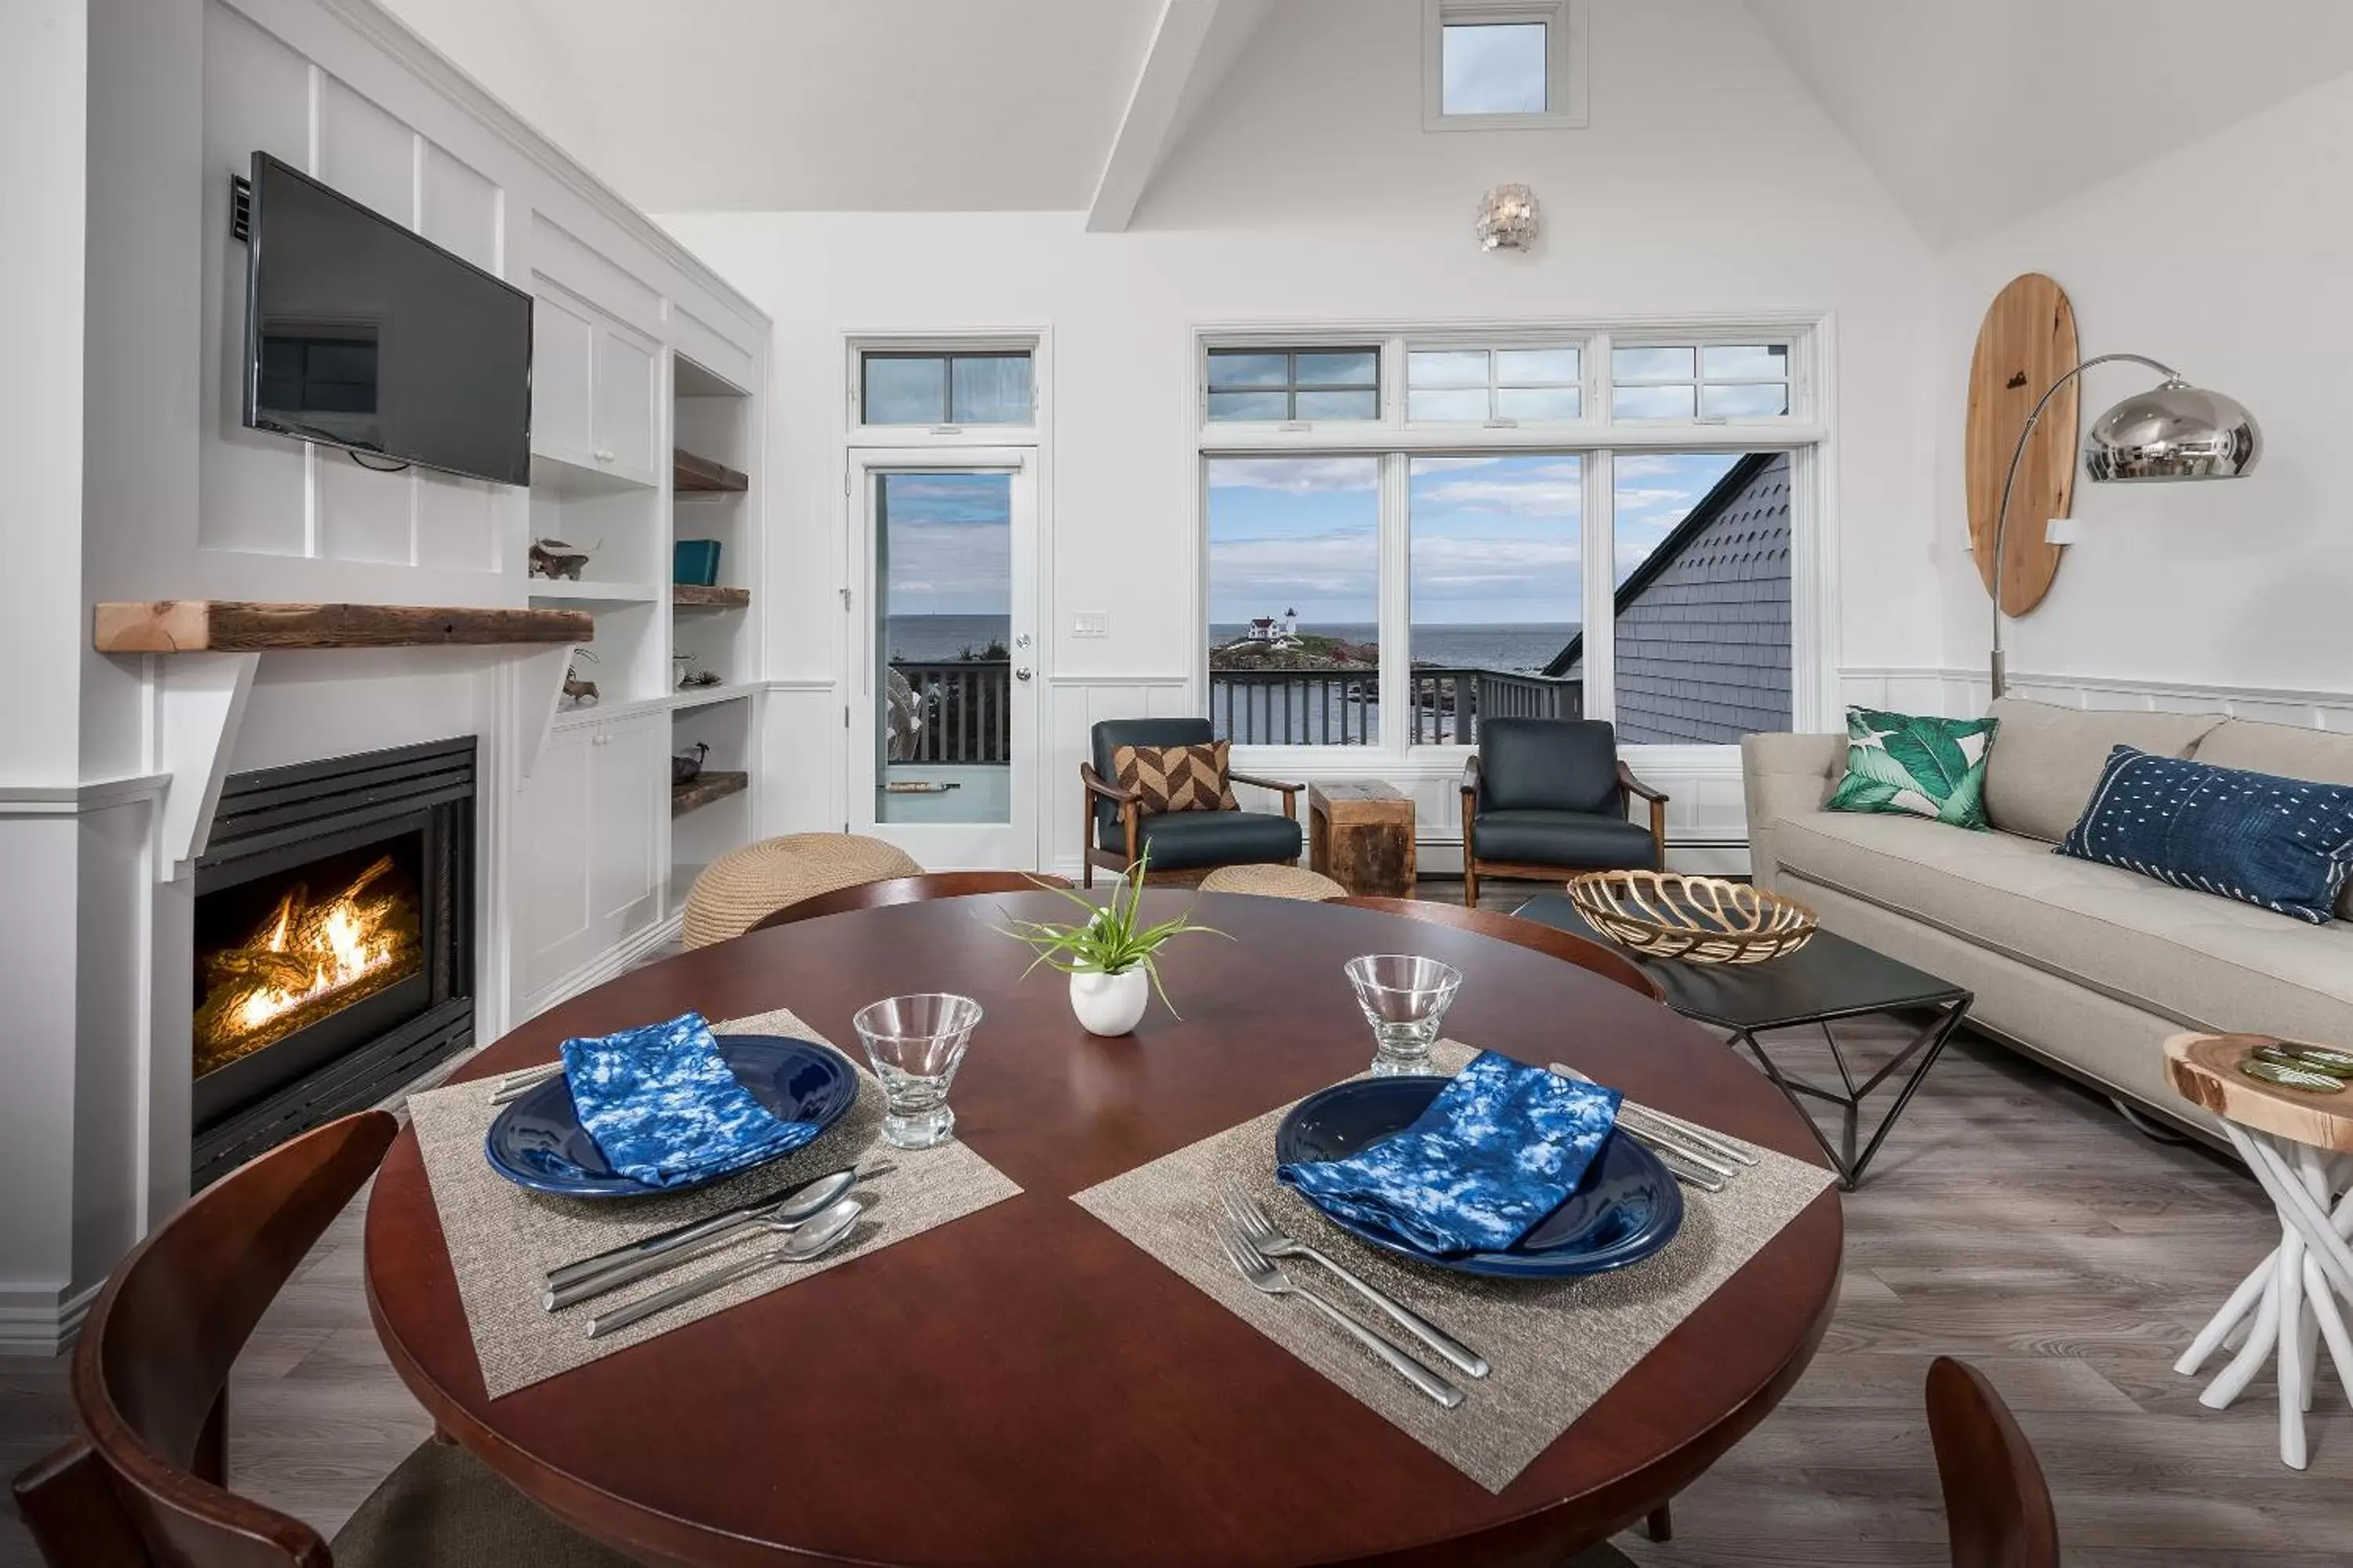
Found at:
<point>2011,1219</point>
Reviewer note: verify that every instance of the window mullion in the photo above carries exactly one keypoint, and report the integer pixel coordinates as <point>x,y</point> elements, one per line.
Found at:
<point>1395,673</point>
<point>1598,555</point>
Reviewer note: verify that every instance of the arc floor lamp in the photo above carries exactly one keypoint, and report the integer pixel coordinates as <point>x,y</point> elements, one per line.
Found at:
<point>2173,431</point>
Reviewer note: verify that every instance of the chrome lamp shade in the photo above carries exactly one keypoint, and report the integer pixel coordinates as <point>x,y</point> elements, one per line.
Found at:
<point>2173,431</point>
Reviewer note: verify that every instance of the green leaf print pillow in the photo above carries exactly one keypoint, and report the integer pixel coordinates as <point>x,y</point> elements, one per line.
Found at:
<point>1922,767</point>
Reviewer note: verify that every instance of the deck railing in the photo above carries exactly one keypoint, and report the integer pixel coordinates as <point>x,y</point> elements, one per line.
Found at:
<point>963,710</point>
<point>1341,707</point>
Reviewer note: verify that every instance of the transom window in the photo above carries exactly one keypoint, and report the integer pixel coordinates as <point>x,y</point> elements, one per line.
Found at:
<point>1504,64</point>
<point>1287,385</point>
<point>993,387</point>
<point>1494,385</point>
<point>1704,381</point>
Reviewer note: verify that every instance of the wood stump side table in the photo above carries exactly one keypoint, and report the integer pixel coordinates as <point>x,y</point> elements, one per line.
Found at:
<point>1360,834</point>
<point>2300,1147</point>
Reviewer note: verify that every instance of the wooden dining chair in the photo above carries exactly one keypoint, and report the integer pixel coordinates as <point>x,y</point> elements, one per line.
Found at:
<point>909,891</point>
<point>1560,944</point>
<point>145,1480</point>
<point>1997,1510</point>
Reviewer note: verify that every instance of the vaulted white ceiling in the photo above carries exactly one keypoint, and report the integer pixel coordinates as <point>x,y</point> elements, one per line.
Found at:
<point>1975,112</point>
<point>1972,112</point>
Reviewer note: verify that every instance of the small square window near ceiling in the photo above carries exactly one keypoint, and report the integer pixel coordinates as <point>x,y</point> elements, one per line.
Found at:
<point>991,388</point>
<point>1284,386</point>
<point>1493,68</point>
<point>1494,385</point>
<point>1711,381</point>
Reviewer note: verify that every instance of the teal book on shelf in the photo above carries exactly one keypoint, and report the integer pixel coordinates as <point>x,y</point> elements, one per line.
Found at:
<point>695,562</point>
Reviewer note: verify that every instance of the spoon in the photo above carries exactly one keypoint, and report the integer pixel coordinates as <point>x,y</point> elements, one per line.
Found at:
<point>575,1282</point>
<point>812,1240</point>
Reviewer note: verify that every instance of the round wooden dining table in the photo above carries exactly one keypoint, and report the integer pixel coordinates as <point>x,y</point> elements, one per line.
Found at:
<point>1023,1385</point>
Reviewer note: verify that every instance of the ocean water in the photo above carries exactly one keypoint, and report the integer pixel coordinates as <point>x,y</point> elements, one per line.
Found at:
<point>928,639</point>
<point>1523,649</point>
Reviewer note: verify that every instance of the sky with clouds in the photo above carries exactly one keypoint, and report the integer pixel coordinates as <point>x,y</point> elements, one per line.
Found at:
<point>947,545</point>
<point>1495,539</point>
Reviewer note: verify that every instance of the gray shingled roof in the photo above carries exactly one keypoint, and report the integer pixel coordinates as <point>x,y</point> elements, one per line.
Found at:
<point>1704,624</point>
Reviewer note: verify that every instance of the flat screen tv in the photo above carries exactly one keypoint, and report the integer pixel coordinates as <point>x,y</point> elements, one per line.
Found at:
<point>361,333</point>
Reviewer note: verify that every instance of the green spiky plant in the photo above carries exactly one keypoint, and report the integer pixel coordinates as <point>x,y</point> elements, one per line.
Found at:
<point>1112,939</point>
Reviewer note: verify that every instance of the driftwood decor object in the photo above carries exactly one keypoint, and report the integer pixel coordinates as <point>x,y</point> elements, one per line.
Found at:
<point>1360,834</point>
<point>552,558</point>
<point>2026,342</point>
<point>707,785</point>
<point>1698,919</point>
<point>239,625</point>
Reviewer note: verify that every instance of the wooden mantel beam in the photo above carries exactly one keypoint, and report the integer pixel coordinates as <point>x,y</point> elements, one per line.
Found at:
<point>237,625</point>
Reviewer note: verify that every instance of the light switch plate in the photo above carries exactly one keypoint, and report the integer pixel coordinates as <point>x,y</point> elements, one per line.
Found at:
<point>1091,624</point>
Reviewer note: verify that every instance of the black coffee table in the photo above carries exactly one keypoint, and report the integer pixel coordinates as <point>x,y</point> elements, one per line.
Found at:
<point>1828,979</point>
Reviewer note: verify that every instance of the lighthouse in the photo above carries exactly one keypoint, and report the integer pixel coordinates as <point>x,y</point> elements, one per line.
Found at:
<point>1290,623</point>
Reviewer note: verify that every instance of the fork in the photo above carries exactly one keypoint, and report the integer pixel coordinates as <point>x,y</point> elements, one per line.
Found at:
<point>1264,1274</point>
<point>1258,1228</point>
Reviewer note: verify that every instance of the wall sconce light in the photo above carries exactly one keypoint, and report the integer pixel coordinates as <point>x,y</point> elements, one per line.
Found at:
<point>1508,219</point>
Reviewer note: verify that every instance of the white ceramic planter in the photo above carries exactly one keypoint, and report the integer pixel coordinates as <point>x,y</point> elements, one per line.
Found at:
<point>1110,1004</point>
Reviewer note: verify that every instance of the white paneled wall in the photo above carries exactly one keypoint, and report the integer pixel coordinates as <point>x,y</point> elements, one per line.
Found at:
<point>263,493</point>
<point>1963,692</point>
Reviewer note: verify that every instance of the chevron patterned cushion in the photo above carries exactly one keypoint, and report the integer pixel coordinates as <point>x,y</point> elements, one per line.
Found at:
<point>1177,778</point>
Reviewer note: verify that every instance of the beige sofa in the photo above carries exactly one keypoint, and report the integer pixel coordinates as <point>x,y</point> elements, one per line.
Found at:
<point>2085,967</point>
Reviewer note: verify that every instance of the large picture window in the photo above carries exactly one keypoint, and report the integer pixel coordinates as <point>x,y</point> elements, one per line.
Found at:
<point>1523,536</point>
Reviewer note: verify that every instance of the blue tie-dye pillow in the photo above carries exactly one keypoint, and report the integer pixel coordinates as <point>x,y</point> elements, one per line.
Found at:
<point>1499,1149</point>
<point>2284,843</point>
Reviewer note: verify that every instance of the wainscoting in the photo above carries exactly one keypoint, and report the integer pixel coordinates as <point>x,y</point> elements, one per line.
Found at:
<point>1962,692</point>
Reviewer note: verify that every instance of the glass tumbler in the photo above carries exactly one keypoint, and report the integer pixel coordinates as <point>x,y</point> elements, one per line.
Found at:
<point>1404,999</point>
<point>916,1044</point>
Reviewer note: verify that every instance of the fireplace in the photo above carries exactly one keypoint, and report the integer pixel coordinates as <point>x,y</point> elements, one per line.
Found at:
<point>334,957</point>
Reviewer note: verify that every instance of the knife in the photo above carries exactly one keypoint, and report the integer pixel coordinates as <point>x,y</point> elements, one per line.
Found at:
<point>786,1206</point>
<point>1699,1137</point>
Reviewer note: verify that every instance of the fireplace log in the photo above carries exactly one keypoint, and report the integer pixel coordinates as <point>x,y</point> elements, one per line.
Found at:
<point>237,625</point>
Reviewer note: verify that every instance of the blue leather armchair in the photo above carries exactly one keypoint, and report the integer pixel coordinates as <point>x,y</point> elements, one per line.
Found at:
<point>1186,844</point>
<point>1547,798</point>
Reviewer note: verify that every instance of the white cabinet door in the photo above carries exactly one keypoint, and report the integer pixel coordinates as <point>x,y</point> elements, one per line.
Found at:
<point>628,793</point>
<point>563,354</point>
<point>554,924</point>
<point>626,363</point>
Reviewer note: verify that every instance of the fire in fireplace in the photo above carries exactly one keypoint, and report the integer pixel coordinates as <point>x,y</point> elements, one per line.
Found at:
<point>308,956</point>
<point>334,943</point>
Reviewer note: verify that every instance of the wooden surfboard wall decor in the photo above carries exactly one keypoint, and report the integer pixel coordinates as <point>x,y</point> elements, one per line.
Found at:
<point>2026,342</point>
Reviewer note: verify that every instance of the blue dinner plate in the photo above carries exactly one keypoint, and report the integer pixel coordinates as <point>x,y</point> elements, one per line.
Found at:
<point>538,1142</point>
<point>1627,1208</point>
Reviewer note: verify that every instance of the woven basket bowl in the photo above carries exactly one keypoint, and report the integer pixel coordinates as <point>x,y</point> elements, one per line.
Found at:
<point>1697,920</point>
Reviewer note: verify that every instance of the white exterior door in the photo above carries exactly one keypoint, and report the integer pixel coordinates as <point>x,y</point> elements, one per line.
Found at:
<point>944,655</point>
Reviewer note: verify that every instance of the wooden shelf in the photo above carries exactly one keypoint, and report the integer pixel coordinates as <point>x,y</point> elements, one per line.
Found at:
<point>694,597</point>
<point>706,786</point>
<point>700,475</point>
<point>239,625</point>
<point>689,698</point>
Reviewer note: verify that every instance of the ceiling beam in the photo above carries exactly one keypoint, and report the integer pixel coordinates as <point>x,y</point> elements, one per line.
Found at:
<point>1195,42</point>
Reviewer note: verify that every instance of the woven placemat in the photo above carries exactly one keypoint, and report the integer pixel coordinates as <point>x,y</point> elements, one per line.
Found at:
<point>1555,1346</point>
<point>503,1240</point>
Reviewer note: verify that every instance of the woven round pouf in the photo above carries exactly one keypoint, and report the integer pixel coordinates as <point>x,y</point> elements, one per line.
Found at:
<point>744,885</point>
<point>1271,881</point>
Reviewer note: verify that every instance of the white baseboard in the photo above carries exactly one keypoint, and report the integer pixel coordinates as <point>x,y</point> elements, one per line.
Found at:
<point>34,1322</point>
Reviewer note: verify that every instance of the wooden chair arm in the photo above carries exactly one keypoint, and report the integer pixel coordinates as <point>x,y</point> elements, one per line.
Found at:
<point>1633,786</point>
<point>1097,785</point>
<point>1469,781</point>
<point>1289,791</point>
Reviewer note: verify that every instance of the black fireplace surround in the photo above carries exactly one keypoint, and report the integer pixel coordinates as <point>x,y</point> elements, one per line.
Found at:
<point>314,824</point>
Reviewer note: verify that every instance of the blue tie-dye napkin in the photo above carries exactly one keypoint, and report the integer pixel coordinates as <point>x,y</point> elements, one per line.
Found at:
<point>665,1109</point>
<point>1499,1149</point>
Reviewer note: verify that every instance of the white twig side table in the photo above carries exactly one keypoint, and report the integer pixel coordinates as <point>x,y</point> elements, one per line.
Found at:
<point>2300,1147</point>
